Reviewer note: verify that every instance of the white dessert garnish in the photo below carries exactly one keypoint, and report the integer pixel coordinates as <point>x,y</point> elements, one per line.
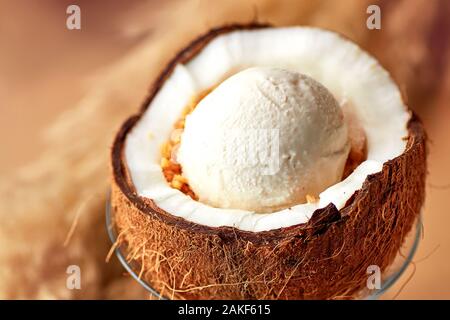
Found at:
<point>263,140</point>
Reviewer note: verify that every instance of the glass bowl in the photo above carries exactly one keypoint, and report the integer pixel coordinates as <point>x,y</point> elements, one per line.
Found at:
<point>388,277</point>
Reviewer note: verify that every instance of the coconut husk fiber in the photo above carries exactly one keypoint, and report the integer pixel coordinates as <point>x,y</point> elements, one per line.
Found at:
<point>65,188</point>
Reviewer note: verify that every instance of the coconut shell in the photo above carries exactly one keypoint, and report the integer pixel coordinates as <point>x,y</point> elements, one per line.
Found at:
<point>325,258</point>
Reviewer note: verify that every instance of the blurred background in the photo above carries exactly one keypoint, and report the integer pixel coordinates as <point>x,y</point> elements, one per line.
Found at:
<point>63,93</point>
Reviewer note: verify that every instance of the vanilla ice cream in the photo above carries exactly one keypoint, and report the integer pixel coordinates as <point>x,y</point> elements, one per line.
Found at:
<point>263,140</point>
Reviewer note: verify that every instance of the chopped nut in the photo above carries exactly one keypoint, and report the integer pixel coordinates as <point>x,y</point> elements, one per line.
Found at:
<point>180,178</point>
<point>165,163</point>
<point>176,184</point>
<point>311,199</point>
<point>175,137</point>
<point>179,124</point>
<point>168,175</point>
<point>171,169</point>
<point>166,149</point>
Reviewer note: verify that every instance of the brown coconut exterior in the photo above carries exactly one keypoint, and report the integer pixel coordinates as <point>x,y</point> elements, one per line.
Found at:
<point>326,258</point>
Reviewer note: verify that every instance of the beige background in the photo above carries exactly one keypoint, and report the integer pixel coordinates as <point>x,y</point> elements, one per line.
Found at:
<point>63,93</point>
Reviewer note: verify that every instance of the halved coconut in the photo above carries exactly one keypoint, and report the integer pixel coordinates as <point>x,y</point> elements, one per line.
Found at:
<point>320,249</point>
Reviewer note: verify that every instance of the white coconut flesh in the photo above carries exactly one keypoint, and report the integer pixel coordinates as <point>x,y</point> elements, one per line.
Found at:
<point>352,76</point>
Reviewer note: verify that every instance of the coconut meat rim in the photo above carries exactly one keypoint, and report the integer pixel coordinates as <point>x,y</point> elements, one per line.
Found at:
<point>350,74</point>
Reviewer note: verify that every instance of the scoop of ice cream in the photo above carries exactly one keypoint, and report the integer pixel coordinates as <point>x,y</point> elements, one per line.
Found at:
<point>263,140</point>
